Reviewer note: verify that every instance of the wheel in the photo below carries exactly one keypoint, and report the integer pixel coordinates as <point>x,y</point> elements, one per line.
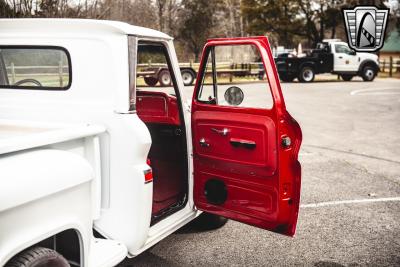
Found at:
<point>347,77</point>
<point>187,77</point>
<point>38,257</point>
<point>207,221</point>
<point>368,74</point>
<point>286,77</point>
<point>150,81</point>
<point>164,78</point>
<point>306,74</point>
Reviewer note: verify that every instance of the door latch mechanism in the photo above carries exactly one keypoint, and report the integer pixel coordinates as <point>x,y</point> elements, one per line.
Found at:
<point>222,132</point>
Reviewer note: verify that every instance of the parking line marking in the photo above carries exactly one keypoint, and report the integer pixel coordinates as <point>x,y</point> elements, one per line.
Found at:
<point>350,153</point>
<point>354,201</point>
<point>375,91</point>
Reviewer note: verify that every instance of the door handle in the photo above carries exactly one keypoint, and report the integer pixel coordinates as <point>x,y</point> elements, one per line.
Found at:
<point>204,143</point>
<point>222,132</point>
<point>244,143</point>
<point>340,57</point>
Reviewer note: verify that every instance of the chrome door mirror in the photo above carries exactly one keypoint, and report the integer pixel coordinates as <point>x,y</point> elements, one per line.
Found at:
<point>234,96</point>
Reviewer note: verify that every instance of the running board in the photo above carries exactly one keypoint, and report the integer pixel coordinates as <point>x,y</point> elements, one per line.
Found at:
<point>104,252</point>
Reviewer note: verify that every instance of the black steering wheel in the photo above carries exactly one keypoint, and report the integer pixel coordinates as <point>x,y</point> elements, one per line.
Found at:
<point>28,81</point>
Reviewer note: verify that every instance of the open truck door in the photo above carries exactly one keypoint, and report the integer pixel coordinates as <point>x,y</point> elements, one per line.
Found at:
<point>245,143</point>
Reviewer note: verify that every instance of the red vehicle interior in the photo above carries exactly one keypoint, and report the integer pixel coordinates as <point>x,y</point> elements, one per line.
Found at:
<point>157,107</point>
<point>167,156</point>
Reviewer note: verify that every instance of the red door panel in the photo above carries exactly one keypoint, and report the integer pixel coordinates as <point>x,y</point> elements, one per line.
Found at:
<point>248,197</point>
<point>230,146</point>
<point>245,159</point>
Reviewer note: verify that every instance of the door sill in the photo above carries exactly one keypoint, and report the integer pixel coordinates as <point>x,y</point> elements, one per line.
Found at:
<point>104,252</point>
<point>168,211</point>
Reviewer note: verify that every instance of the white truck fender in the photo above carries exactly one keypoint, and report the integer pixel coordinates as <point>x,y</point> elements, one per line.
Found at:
<point>28,176</point>
<point>42,193</point>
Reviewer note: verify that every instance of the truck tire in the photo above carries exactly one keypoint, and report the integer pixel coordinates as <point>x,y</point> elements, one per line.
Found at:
<point>306,74</point>
<point>208,221</point>
<point>38,257</point>
<point>347,77</point>
<point>286,77</point>
<point>151,81</point>
<point>164,77</point>
<point>368,74</point>
<point>188,77</point>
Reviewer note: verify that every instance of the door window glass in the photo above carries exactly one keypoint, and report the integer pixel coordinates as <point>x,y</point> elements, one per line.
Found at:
<point>234,75</point>
<point>207,93</point>
<point>153,69</point>
<point>343,49</point>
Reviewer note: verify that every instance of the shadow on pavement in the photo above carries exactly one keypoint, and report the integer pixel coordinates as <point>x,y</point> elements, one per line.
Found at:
<point>146,259</point>
<point>333,264</point>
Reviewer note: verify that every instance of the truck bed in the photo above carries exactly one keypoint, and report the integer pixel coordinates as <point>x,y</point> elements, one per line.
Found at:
<point>322,63</point>
<point>20,135</point>
<point>7,131</point>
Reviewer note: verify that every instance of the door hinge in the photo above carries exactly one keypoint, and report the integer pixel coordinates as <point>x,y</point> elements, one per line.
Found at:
<point>188,108</point>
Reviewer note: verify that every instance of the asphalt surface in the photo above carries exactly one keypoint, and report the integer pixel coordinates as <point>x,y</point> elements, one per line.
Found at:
<point>351,153</point>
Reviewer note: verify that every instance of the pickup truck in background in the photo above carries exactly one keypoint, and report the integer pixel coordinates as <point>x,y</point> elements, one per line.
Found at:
<point>330,56</point>
<point>97,165</point>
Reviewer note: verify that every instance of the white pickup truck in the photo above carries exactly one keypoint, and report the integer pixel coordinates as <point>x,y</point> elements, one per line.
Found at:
<point>97,166</point>
<point>330,56</point>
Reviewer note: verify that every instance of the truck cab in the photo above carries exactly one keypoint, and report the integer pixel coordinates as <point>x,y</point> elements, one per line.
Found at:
<point>349,63</point>
<point>98,165</point>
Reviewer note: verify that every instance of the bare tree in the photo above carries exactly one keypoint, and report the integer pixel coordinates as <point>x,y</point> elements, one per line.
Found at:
<point>197,23</point>
<point>173,9</point>
<point>160,8</point>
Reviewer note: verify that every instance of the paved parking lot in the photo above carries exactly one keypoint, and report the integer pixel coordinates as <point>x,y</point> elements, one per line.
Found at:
<point>350,213</point>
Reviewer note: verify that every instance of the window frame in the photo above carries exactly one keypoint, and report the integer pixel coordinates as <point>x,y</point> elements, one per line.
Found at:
<point>210,50</point>
<point>210,53</point>
<point>42,47</point>
<point>132,68</point>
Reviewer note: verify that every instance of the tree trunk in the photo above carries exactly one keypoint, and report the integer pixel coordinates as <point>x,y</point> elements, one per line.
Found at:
<point>321,23</point>
<point>333,34</point>
<point>196,52</point>
<point>161,5</point>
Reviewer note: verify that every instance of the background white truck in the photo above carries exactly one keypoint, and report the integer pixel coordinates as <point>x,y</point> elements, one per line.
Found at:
<point>330,56</point>
<point>97,166</point>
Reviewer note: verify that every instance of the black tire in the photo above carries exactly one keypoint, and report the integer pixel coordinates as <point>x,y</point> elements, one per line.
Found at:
<point>368,74</point>
<point>347,77</point>
<point>151,81</point>
<point>38,257</point>
<point>286,77</point>
<point>188,77</point>
<point>164,77</point>
<point>207,221</point>
<point>306,75</point>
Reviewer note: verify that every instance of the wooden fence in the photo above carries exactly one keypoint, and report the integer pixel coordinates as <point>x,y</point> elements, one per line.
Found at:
<point>58,71</point>
<point>390,66</point>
